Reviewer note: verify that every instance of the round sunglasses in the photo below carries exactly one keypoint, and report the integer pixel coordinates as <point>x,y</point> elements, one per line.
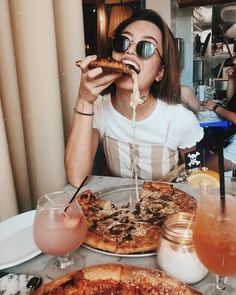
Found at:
<point>144,49</point>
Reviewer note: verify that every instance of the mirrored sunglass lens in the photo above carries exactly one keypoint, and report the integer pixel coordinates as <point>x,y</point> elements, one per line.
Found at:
<point>145,49</point>
<point>120,44</point>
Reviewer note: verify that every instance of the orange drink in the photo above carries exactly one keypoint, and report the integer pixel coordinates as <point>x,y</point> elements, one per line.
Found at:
<point>214,234</point>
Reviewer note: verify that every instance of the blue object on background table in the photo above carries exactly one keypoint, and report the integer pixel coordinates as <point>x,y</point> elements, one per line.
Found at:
<point>215,124</point>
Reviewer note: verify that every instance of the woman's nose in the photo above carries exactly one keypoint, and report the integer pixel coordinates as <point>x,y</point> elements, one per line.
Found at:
<point>131,49</point>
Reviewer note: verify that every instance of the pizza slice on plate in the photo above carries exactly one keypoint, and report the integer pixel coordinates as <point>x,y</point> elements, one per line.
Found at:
<point>159,200</point>
<point>116,279</point>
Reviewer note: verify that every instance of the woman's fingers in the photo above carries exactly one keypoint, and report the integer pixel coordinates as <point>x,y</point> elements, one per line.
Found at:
<point>94,81</point>
<point>83,64</point>
<point>91,85</point>
<point>97,85</point>
<point>100,77</point>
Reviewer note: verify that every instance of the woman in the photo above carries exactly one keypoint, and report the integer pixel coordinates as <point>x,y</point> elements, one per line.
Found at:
<point>230,115</point>
<point>165,130</point>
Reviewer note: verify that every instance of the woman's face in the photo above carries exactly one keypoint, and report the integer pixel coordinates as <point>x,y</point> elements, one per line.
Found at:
<point>150,68</point>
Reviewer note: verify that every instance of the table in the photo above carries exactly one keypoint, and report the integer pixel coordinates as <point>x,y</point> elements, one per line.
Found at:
<point>36,265</point>
<point>211,119</point>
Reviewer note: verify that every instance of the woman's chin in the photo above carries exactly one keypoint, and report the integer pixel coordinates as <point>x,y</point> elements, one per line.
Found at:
<point>125,81</point>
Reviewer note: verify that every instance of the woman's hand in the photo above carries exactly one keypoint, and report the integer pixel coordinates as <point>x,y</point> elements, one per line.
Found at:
<point>231,70</point>
<point>93,81</point>
<point>209,104</point>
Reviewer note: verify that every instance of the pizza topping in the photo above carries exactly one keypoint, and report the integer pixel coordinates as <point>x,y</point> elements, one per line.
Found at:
<point>140,232</point>
<point>93,225</point>
<point>127,238</point>
<point>108,205</point>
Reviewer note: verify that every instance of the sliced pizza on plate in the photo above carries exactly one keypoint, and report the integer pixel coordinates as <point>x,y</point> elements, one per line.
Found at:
<point>116,229</point>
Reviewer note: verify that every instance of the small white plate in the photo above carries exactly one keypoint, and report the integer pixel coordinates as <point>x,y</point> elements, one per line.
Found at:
<point>16,240</point>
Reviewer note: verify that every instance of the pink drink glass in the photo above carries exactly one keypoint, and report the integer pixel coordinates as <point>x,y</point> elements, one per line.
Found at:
<point>59,232</point>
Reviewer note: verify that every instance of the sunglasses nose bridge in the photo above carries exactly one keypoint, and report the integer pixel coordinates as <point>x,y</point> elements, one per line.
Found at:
<point>131,48</point>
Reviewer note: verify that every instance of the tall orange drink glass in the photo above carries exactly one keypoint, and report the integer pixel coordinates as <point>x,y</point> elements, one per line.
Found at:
<point>214,234</point>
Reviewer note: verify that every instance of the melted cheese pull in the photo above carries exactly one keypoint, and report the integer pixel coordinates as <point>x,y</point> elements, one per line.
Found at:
<point>134,101</point>
<point>135,96</point>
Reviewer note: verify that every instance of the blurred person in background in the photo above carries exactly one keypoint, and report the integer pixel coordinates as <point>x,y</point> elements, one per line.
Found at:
<point>229,114</point>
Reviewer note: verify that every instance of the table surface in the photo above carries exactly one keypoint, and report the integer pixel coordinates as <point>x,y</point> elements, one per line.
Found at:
<point>209,118</point>
<point>36,265</point>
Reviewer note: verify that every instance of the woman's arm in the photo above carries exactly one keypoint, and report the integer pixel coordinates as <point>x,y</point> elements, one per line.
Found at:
<point>220,111</point>
<point>190,99</point>
<point>231,86</point>
<point>83,138</point>
<point>81,145</point>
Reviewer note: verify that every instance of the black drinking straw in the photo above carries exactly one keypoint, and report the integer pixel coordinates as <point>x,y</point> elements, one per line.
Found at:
<point>222,179</point>
<point>75,194</point>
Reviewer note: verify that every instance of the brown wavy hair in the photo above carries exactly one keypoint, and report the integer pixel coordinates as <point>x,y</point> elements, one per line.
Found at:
<point>168,89</point>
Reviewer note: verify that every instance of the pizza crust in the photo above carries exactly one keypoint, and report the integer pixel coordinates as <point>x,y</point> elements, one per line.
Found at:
<point>94,240</point>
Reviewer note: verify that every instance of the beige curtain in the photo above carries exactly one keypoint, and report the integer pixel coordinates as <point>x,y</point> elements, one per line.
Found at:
<point>40,42</point>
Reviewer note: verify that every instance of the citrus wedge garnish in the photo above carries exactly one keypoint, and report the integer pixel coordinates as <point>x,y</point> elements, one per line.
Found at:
<point>207,177</point>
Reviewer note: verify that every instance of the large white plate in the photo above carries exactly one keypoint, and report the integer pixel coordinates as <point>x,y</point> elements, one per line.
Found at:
<point>16,240</point>
<point>118,254</point>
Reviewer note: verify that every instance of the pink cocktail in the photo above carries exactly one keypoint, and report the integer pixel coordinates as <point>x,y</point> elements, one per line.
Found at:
<point>59,230</point>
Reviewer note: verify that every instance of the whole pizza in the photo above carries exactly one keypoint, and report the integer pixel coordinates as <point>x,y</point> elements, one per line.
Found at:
<point>122,231</point>
<point>116,279</point>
